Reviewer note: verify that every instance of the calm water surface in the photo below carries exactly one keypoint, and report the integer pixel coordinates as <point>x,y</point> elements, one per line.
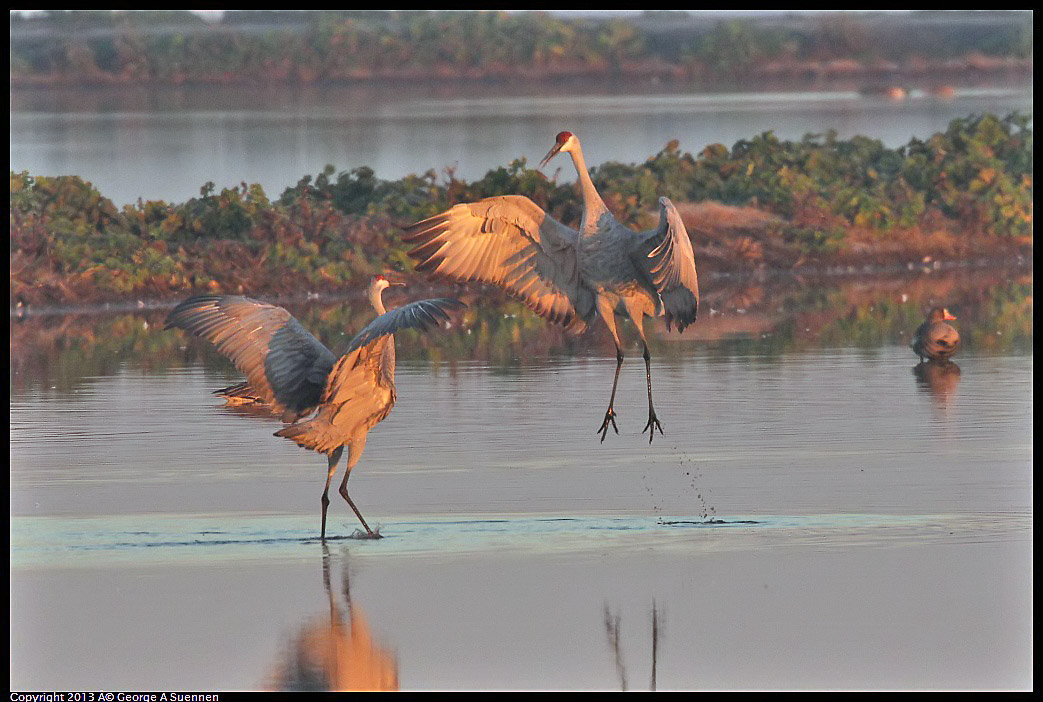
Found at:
<point>166,143</point>
<point>816,516</point>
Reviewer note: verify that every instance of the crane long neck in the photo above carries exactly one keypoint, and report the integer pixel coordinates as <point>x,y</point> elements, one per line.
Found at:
<point>385,346</point>
<point>593,205</point>
<point>376,301</point>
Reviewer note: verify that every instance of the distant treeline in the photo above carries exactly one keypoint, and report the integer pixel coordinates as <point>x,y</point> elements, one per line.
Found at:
<point>260,46</point>
<point>783,204</point>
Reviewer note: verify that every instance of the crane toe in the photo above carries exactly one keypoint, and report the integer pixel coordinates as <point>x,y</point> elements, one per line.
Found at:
<point>653,424</point>
<point>610,417</point>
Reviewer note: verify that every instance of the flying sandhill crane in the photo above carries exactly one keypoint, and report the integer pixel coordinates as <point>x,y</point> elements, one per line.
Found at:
<point>568,276</point>
<point>293,373</point>
<point>934,339</point>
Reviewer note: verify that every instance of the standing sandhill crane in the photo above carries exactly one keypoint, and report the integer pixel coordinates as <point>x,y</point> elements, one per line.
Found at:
<point>934,338</point>
<point>569,276</point>
<point>293,373</point>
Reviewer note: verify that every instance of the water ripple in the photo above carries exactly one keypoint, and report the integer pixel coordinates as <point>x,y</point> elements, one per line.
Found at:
<point>90,542</point>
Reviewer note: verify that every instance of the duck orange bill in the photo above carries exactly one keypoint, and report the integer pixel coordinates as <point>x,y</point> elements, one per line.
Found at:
<point>948,316</point>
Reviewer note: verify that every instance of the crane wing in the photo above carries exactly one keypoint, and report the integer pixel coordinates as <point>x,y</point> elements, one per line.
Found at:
<point>422,314</point>
<point>355,399</point>
<point>666,256</point>
<point>360,391</point>
<point>511,242</point>
<point>284,364</point>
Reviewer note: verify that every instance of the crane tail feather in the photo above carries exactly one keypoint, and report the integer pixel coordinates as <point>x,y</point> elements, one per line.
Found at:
<point>315,434</point>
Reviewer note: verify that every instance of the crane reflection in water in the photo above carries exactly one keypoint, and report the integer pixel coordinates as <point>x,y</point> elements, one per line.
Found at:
<point>335,652</point>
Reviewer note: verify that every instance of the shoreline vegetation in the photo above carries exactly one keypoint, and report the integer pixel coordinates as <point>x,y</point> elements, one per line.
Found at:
<point>882,52</point>
<point>818,206</point>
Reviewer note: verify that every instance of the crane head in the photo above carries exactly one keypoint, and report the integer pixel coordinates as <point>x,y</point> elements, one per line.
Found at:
<point>381,281</point>
<point>563,142</point>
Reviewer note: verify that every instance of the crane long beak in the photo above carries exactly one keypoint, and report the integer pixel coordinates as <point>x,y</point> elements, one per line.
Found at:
<point>550,154</point>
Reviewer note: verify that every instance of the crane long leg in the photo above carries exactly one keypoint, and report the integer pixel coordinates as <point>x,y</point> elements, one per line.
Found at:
<point>606,310</point>
<point>653,421</point>
<point>334,457</point>
<point>610,413</point>
<point>355,448</point>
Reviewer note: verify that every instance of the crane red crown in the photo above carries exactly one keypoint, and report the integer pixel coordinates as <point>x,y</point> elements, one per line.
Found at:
<point>563,137</point>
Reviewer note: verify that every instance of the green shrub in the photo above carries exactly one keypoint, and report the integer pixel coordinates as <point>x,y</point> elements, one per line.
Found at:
<point>334,230</point>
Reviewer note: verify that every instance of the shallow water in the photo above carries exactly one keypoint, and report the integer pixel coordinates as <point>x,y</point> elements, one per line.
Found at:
<point>816,515</point>
<point>166,143</point>
<point>789,436</point>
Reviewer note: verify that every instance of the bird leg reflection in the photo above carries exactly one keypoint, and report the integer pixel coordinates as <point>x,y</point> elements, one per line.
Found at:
<point>653,421</point>
<point>612,630</point>
<point>655,643</point>
<point>610,414</point>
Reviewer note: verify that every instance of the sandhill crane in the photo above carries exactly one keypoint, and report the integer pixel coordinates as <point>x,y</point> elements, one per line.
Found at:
<point>934,339</point>
<point>293,373</point>
<point>569,276</point>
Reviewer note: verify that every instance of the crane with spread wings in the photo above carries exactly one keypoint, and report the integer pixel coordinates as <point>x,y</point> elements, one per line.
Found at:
<point>565,275</point>
<point>294,375</point>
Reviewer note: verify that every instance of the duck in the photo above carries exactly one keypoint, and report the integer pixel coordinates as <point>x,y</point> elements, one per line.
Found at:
<point>934,339</point>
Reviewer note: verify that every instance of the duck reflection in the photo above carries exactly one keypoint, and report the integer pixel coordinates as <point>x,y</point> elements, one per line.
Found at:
<point>612,631</point>
<point>329,653</point>
<point>939,378</point>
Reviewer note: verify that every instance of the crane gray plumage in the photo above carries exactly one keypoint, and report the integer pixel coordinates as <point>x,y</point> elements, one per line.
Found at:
<point>565,275</point>
<point>239,394</point>
<point>285,366</point>
<point>294,374</point>
<point>934,339</point>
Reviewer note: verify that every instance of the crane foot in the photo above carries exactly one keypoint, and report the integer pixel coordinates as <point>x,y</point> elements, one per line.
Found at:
<point>653,424</point>
<point>610,416</point>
